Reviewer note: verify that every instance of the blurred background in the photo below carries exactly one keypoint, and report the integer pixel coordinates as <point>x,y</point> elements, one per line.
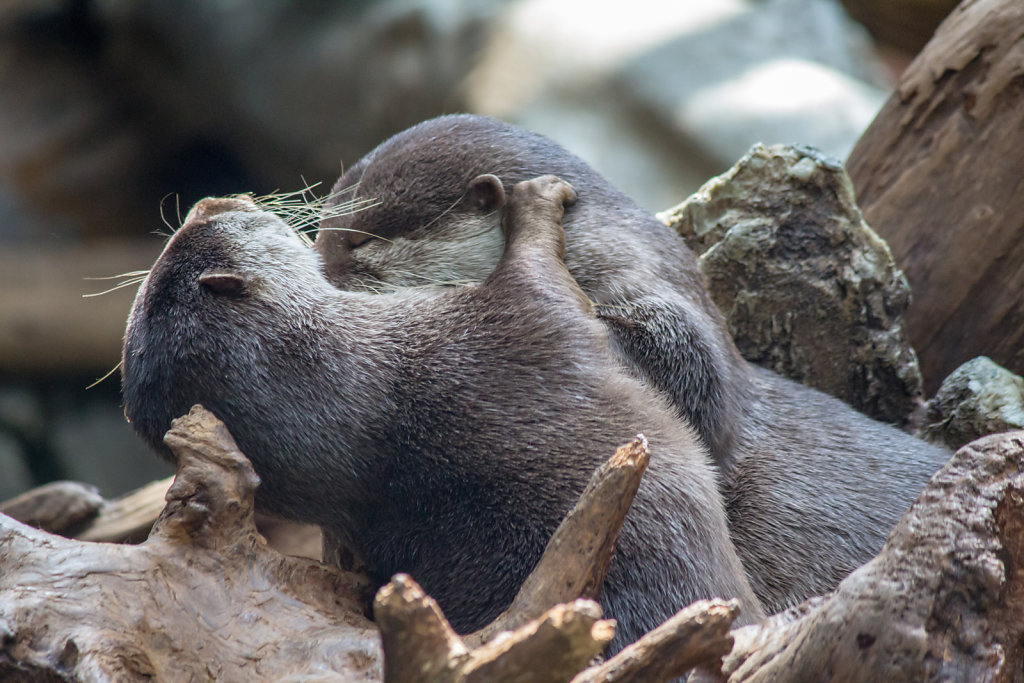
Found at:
<point>116,115</point>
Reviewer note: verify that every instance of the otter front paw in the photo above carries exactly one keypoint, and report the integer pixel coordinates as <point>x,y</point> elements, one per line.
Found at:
<point>535,209</point>
<point>547,190</point>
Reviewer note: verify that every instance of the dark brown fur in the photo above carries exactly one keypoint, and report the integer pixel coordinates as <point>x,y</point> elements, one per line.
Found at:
<point>443,433</point>
<point>811,486</point>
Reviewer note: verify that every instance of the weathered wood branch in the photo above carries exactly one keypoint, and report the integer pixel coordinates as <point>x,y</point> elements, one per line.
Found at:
<point>60,507</point>
<point>420,645</point>
<point>576,558</point>
<point>130,517</point>
<point>696,636</point>
<point>944,600</point>
<point>203,598</point>
<point>938,176</point>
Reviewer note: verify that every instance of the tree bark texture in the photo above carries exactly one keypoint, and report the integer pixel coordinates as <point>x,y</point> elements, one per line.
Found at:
<point>940,175</point>
<point>943,601</point>
<point>205,598</point>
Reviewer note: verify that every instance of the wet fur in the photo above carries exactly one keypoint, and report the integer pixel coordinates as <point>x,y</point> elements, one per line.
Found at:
<point>441,432</point>
<point>812,487</point>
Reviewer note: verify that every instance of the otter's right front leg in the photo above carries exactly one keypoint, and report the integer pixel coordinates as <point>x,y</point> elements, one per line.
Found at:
<point>535,242</point>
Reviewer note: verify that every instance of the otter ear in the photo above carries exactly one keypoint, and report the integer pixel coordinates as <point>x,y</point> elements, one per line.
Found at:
<point>224,284</point>
<point>486,193</point>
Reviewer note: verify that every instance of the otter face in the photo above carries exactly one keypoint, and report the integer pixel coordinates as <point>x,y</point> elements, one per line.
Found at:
<point>373,250</point>
<point>207,322</point>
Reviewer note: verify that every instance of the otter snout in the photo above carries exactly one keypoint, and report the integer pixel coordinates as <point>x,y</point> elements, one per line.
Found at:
<point>213,206</point>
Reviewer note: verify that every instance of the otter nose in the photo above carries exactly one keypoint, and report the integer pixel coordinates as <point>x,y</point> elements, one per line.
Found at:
<point>212,206</point>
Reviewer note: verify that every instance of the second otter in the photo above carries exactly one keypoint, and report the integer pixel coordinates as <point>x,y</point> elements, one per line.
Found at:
<point>811,486</point>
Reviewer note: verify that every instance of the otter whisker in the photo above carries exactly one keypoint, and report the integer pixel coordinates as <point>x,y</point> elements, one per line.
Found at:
<point>107,376</point>
<point>360,232</point>
<point>446,211</point>
<point>121,285</point>
<point>164,218</point>
<point>131,273</point>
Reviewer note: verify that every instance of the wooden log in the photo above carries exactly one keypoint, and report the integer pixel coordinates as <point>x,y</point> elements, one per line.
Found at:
<point>205,598</point>
<point>130,517</point>
<point>202,599</point>
<point>60,507</point>
<point>938,175</point>
<point>944,600</point>
<point>42,305</point>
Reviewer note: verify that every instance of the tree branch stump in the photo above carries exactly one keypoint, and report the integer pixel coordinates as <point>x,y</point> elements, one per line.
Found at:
<point>202,599</point>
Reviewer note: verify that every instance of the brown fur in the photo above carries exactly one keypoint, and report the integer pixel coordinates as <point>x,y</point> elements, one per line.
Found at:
<point>811,486</point>
<point>444,433</point>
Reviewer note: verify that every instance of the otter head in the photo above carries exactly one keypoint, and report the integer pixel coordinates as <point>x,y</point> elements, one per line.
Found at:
<point>427,218</point>
<point>378,248</point>
<point>218,315</point>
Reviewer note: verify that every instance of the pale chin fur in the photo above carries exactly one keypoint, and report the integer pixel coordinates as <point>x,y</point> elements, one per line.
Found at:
<point>464,252</point>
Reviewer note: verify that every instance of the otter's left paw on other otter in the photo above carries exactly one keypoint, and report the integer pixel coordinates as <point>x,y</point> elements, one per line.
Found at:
<point>535,209</point>
<point>546,187</point>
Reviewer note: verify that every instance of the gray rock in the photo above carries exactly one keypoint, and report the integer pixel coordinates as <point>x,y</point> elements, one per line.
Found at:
<point>978,398</point>
<point>809,290</point>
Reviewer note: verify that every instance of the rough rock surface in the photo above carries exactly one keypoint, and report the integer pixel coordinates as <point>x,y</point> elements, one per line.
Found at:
<point>979,398</point>
<point>809,290</point>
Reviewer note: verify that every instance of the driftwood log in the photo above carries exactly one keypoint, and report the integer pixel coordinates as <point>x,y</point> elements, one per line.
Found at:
<point>938,175</point>
<point>41,305</point>
<point>944,600</point>
<point>202,599</point>
<point>205,598</point>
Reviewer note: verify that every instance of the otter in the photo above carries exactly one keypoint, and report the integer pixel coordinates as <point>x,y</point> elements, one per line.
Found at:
<point>811,486</point>
<point>440,432</point>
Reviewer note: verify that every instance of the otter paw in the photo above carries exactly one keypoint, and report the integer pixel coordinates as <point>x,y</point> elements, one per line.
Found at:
<point>549,188</point>
<point>534,213</point>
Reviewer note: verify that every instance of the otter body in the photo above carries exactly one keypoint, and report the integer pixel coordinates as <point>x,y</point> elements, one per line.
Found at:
<point>811,486</point>
<point>440,432</point>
